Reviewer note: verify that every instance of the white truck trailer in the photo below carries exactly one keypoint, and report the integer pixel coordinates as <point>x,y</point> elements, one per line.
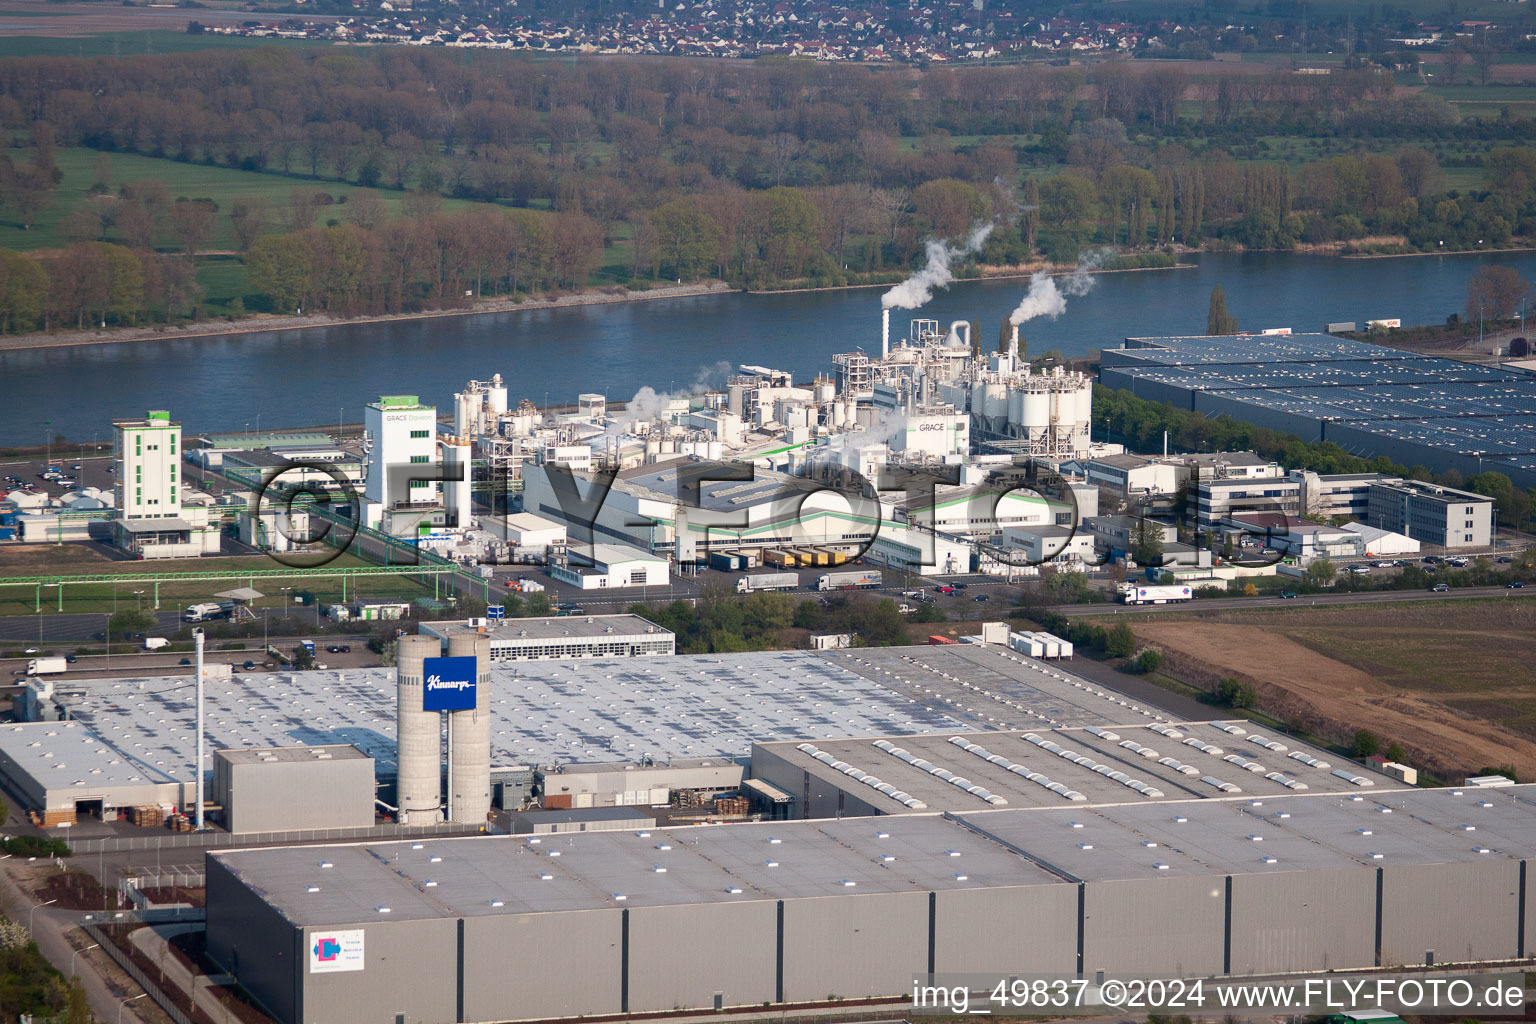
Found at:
<point>767,581</point>
<point>859,579</point>
<point>46,666</point>
<point>1148,593</point>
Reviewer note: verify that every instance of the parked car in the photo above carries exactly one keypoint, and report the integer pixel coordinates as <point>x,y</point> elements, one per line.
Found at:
<point>979,598</point>
<point>346,648</point>
<point>333,649</point>
<point>961,586</point>
<point>945,588</point>
<point>1505,560</point>
<point>1439,588</point>
<point>1384,565</point>
<point>248,665</point>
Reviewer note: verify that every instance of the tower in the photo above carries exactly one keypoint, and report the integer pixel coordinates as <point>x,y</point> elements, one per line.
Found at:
<point>418,736</point>
<point>469,737</point>
<point>429,686</point>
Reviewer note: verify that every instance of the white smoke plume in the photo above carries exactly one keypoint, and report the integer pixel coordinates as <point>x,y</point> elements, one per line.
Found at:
<point>1046,298</point>
<point>648,404</point>
<point>916,290</point>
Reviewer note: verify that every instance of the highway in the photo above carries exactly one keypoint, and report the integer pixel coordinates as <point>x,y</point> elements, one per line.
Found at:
<point>1215,604</point>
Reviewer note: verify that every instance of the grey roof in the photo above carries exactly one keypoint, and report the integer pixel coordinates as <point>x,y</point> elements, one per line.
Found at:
<point>1107,760</point>
<point>447,878</point>
<point>582,814</point>
<point>267,755</point>
<point>604,709</point>
<point>60,755</point>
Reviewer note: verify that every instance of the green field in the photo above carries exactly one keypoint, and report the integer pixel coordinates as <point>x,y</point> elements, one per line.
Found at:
<point>104,598</point>
<point>128,44</point>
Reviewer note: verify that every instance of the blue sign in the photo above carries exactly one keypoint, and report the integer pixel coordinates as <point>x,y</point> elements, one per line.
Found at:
<point>496,612</point>
<point>450,684</point>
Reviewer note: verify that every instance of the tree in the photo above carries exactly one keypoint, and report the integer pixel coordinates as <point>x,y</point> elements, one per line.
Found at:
<point>1395,752</point>
<point>1494,293</point>
<point>1121,641</point>
<point>1149,661</point>
<point>129,620</point>
<point>1216,319</point>
<point>1146,542</point>
<point>1235,693</point>
<point>686,238</point>
<point>1321,571</point>
<point>539,605</point>
<point>23,292</point>
<point>279,266</point>
<point>248,216</point>
<point>1366,744</point>
<point>192,223</point>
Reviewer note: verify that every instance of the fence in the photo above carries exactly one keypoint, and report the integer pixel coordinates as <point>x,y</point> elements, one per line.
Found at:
<point>156,993</point>
<point>194,840</point>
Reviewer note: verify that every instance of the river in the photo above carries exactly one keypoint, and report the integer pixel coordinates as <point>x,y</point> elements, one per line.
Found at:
<point>325,374</point>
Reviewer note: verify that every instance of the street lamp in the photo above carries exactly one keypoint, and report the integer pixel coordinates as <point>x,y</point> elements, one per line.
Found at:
<point>125,1002</point>
<point>33,911</point>
<point>77,953</point>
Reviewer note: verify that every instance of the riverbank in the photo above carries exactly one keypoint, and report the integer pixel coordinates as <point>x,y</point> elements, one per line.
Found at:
<point>262,324</point>
<point>265,324</point>
<point>1440,252</point>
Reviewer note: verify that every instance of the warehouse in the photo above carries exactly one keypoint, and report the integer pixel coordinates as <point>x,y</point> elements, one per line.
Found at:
<point>609,567</point>
<point>564,637</point>
<point>545,713</point>
<point>1370,400</point>
<point>1047,767</point>
<point>64,770</point>
<point>500,928</point>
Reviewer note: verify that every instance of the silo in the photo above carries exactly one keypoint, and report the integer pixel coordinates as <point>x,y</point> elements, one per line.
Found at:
<point>1035,418</point>
<point>496,396</point>
<point>466,413</point>
<point>469,737</point>
<point>825,389</point>
<point>419,736</point>
<point>737,400</point>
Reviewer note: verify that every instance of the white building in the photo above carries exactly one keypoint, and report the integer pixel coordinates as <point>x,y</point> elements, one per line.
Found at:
<point>564,637</point>
<point>918,551</point>
<point>152,520</point>
<point>1443,516</point>
<point>1383,542</point>
<point>611,566</point>
<point>401,436</point>
<point>1049,543</point>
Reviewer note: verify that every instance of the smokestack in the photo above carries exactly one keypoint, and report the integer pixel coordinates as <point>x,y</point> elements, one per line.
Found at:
<point>1165,444</point>
<point>469,738</point>
<point>885,333</point>
<point>418,735</point>
<point>1013,348</point>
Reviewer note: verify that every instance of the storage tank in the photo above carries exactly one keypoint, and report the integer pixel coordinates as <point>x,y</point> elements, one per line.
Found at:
<point>466,413</point>
<point>716,450</point>
<point>469,737</point>
<point>825,390</point>
<point>736,402</point>
<point>418,743</point>
<point>1035,411</point>
<point>496,396</point>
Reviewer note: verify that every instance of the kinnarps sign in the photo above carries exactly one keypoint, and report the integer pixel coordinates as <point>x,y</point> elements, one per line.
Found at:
<point>450,684</point>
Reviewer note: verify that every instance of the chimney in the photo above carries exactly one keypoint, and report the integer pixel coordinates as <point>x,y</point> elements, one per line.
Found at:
<point>885,333</point>
<point>1013,348</point>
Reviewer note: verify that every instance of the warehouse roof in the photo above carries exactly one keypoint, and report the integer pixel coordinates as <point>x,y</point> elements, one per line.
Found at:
<point>549,627</point>
<point>606,709</point>
<point>271,755</point>
<point>61,755</point>
<point>1096,764</point>
<point>445,878</point>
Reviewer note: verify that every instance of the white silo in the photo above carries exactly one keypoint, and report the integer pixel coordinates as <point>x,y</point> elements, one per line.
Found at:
<point>826,390</point>
<point>496,397</point>
<point>457,472</point>
<point>1035,413</point>
<point>469,737</point>
<point>466,413</point>
<point>419,736</point>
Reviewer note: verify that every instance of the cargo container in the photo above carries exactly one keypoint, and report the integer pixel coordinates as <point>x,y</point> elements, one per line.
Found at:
<point>767,581</point>
<point>750,559</point>
<point>46,666</point>
<point>1142,593</point>
<point>726,561</point>
<point>939,641</point>
<point>859,579</point>
<point>781,559</point>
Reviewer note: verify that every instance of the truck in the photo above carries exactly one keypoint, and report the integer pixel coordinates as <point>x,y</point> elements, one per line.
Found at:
<point>858,579</point>
<point>308,646</point>
<point>207,610</point>
<point>46,666</point>
<point>1144,593</point>
<point>726,561</point>
<point>767,581</point>
<point>154,643</point>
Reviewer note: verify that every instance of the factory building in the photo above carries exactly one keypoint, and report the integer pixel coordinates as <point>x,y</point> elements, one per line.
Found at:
<point>1047,767</point>
<point>1369,400</point>
<point>563,637</point>
<point>1432,514</point>
<point>152,520</point>
<point>400,459</point>
<point>781,913</point>
<point>64,771</point>
<point>654,710</point>
<point>281,789</point>
<point>1036,545</point>
<point>586,819</point>
<point>622,784</point>
<point>610,567</point>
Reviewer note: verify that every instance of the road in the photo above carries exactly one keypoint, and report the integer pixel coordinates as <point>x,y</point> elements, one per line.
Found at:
<point>51,929</point>
<point>1215,604</point>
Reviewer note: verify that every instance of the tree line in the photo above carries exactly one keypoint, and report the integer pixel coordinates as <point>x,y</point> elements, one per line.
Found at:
<point>763,176</point>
